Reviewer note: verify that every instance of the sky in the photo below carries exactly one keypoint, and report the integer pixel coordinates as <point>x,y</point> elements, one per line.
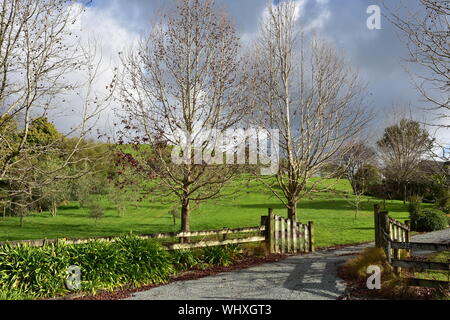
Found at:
<point>377,54</point>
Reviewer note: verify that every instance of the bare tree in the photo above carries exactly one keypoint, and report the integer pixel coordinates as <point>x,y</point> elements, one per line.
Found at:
<point>402,148</point>
<point>358,154</point>
<point>40,59</point>
<point>179,82</point>
<point>426,35</point>
<point>310,94</point>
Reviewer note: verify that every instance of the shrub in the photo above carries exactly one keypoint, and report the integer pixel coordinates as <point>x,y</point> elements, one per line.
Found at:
<point>415,210</point>
<point>101,265</point>
<point>146,262</point>
<point>30,272</point>
<point>7,293</point>
<point>184,260</point>
<point>357,267</point>
<point>443,203</point>
<point>392,287</point>
<point>431,220</point>
<point>219,256</point>
<point>96,211</point>
<point>34,271</point>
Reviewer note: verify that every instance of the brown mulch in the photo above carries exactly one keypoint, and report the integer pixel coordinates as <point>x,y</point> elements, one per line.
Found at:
<point>127,292</point>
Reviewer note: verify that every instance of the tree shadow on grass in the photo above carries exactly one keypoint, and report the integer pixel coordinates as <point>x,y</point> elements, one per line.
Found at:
<point>332,205</point>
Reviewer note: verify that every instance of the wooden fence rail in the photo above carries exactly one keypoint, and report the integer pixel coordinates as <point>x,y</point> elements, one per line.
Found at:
<point>393,236</point>
<point>280,235</point>
<point>169,235</point>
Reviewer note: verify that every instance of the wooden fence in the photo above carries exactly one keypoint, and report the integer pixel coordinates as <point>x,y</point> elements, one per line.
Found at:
<point>280,235</point>
<point>224,234</point>
<point>288,236</point>
<point>394,236</point>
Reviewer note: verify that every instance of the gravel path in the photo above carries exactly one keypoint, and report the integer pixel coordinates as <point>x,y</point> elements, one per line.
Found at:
<point>437,236</point>
<point>306,277</point>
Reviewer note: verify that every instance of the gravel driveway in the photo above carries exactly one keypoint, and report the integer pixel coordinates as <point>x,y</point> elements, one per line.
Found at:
<point>306,277</point>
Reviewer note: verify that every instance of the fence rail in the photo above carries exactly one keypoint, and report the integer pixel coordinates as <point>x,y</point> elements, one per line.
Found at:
<point>280,235</point>
<point>169,235</point>
<point>421,246</point>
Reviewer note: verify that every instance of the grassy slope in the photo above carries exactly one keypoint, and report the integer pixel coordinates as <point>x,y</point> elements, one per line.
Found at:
<point>332,214</point>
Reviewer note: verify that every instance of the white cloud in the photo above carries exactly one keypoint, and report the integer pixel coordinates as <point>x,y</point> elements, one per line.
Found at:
<point>97,28</point>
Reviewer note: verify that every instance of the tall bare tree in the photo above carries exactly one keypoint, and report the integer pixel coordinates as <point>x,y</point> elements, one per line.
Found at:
<point>426,33</point>
<point>307,91</point>
<point>179,82</point>
<point>40,59</point>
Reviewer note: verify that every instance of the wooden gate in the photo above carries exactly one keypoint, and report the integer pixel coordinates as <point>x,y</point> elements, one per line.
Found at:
<point>393,236</point>
<point>287,236</point>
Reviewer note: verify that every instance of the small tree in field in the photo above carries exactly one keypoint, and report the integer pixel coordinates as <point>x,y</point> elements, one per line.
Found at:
<point>95,211</point>
<point>183,78</point>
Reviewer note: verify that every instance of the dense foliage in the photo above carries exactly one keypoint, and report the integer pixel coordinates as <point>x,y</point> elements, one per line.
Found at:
<point>30,272</point>
<point>425,220</point>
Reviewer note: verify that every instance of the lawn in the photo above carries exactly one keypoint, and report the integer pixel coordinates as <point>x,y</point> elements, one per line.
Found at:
<point>333,216</point>
<point>437,275</point>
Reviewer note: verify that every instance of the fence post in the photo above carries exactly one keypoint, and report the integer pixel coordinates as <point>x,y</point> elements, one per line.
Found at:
<point>270,232</point>
<point>408,232</point>
<point>224,238</point>
<point>312,247</point>
<point>288,235</point>
<point>408,236</point>
<point>385,232</point>
<point>377,225</point>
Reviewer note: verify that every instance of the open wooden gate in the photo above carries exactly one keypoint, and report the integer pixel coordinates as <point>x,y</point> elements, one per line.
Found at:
<point>287,236</point>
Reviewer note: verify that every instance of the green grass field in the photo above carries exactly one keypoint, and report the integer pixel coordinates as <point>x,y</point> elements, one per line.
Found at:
<point>437,275</point>
<point>333,216</point>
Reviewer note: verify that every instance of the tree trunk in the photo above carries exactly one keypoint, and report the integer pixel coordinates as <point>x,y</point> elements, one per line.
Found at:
<point>404,193</point>
<point>292,209</point>
<point>185,219</point>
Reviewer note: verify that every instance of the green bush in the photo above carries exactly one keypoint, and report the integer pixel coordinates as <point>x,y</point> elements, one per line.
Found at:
<point>184,260</point>
<point>41,272</point>
<point>430,220</point>
<point>220,256</point>
<point>146,262</point>
<point>35,271</point>
<point>443,203</point>
<point>7,293</point>
<point>100,264</point>
<point>96,211</point>
<point>415,210</point>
